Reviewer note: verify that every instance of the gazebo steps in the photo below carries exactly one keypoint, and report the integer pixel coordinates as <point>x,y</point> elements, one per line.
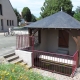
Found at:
<point>9,55</point>
<point>11,58</point>
<point>23,63</point>
<point>14,59</point>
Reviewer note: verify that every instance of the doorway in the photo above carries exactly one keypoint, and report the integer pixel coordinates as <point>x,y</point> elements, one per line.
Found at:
<point>63,40</point>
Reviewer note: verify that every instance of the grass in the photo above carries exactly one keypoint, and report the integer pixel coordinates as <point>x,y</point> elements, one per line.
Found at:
<point>18,72</point>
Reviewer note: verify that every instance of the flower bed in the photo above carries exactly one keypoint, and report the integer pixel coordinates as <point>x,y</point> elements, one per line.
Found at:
<point>18,72</point>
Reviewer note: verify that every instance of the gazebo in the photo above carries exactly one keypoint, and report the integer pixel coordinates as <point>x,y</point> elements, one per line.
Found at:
<point>54,42</point>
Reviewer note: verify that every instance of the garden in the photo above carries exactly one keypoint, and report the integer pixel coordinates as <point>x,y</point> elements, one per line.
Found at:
<point>19,72</point>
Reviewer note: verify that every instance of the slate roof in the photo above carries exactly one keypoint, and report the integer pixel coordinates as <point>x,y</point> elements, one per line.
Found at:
<point>57,20</point>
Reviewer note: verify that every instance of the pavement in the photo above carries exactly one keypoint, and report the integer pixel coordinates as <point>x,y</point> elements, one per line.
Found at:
<point>7,44</point>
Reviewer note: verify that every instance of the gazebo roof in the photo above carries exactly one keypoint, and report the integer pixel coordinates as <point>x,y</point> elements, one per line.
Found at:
<point>57,20</point>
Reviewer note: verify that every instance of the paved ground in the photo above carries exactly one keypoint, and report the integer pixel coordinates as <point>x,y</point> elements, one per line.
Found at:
<point>58,76</point>
<point>7,44</point>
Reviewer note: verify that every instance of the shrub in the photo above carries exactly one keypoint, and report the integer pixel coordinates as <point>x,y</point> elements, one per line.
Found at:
<point>18,72</point>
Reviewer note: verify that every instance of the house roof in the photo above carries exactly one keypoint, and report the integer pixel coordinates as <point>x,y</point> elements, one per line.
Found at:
<point>57,20</point>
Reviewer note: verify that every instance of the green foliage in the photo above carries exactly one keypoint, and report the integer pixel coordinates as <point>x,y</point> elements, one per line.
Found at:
<point>77,9</point>
<point>12,72</point>
<point>52,6</point>
<point>77,14</point>
<point>26,13</point>
<point>18,15</point>
<point>36,76</point>
<point>39,18</point>
<point>33,19</point>
<point>18,72</point>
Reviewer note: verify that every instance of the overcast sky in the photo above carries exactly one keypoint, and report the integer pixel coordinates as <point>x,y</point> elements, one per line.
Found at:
<point>35,5</point>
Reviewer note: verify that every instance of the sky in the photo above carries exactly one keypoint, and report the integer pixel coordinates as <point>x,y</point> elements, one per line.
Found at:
<point>35,5</point>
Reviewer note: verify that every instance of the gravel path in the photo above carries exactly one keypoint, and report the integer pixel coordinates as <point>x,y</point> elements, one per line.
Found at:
<point>58,76</point>
<point>2,60</point>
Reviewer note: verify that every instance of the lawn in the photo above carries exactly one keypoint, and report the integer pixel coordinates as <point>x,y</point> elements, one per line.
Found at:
<point>18,72</point>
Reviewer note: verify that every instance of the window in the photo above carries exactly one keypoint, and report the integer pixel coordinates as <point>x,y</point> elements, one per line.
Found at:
<point>0,9</point>
<point>37,37</point>
<point>7,22</point>
<point>12,22</point>
<point>2,24</point>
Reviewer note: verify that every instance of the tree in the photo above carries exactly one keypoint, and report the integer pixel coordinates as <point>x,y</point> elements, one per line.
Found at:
<point>18,15</point>
<point>33,19</point>
<point>77,9</point>
<point>52,6</point>
<point>77,13</point>
<point>39,18</point>
<point>26,13</point>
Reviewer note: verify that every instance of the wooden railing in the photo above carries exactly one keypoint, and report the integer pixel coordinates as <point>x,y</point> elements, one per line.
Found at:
<point>24,41</point>
<point>63,64</point>
<point>75,65</point>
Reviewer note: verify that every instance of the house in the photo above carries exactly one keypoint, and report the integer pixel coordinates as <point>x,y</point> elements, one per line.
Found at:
<point>8,18</point>
<point>54,43</point>
<point>24,23</point>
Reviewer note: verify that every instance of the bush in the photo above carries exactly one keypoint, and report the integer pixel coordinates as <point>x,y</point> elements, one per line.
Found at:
<point>36,76</point>
<point>18,72</point>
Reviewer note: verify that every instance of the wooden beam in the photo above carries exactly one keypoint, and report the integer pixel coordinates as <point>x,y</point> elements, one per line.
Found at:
<point>34,31</point>
<point>77,41</point>
<point>74,38</point>
<point>30,38</point>
<point>78,46</point>
<point>30,32</point>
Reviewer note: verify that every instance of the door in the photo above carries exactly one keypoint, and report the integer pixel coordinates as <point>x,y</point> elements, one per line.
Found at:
<point>63,40</point>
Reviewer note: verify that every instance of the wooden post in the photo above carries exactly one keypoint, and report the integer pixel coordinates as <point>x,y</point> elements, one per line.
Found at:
<point>77,41</point>
<point>78,46</point>
<point>30,38</point>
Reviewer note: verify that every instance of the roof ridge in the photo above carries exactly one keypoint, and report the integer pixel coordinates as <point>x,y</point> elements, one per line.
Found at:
<point>58,20</point>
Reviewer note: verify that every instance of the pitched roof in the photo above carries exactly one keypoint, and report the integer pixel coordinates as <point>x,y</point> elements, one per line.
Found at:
<point>57,20</point>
